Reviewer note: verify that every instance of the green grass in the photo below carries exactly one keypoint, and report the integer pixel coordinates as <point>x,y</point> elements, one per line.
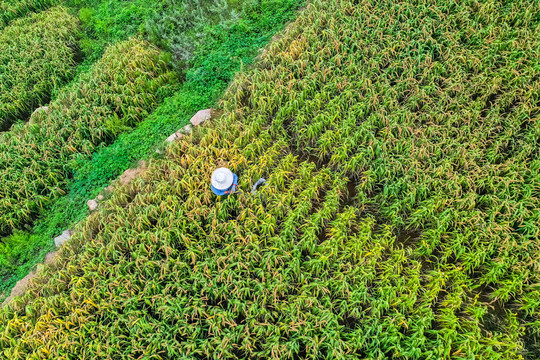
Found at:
<point>38,54</point>
<point>17,258</point>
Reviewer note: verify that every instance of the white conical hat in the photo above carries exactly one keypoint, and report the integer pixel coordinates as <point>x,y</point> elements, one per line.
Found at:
<point>222,178</point>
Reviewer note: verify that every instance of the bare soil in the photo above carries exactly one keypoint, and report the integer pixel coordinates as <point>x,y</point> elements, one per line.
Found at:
<point>22,285</point>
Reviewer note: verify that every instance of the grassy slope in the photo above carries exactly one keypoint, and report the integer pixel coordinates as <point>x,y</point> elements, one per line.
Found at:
<point>226,47</point>
<point>430,253</point>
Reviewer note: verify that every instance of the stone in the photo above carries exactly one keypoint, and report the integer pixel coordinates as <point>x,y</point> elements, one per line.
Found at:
<point>201,116</point>
<point>172,138</point>
<point>187,129</point>
<point>92,205</point>
<point>179,134</point>
<point>60,240</point>
<point>100,197</point>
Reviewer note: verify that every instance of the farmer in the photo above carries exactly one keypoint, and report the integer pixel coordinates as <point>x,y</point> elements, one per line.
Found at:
<point>224,182</point>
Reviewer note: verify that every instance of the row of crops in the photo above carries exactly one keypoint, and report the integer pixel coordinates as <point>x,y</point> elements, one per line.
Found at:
<point>37,56</point>
<point>13,9</point>
<point>401,218</point>
<point>103,121</point>
<point>37,157</point>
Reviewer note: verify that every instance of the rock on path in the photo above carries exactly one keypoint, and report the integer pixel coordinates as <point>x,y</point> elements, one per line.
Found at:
<point>201,116</point>
<point>60,240</point>
<point>92,205</point>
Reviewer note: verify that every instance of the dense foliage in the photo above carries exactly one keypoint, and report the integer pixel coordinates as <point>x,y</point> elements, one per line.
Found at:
<point>37,158</point>
<point>400,219</point>
<point>13,9</point>
<point>224,48</point>
<point>37,56</point>
<point>177,26</point>
<point>108,21</point>
<point>180,26</point>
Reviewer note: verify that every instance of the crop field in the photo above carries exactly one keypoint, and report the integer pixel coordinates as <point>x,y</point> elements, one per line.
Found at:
<point>13,9</point>
<point>38,156</point>
<point>401,218</point>
<point>222,37</point>
<point>37,56</point>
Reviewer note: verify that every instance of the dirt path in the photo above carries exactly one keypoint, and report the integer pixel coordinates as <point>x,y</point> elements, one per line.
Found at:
<point>21,286</point>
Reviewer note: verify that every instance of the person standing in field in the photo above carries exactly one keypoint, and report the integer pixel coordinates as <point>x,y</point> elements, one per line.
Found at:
<point>224,182</point>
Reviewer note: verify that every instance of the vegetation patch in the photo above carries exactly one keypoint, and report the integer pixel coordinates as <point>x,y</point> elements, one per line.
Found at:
<point>38,54</point>
<point>38,158</point>
<point>13,9</point>
<point>224,48</point>
<point>431,253</point>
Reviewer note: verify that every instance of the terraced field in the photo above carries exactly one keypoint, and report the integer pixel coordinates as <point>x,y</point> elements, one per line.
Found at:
<point>400,220</point>
<point>13,9</point>
<point>36,156</point>
<point>96,117</point>
<point>38,55</point>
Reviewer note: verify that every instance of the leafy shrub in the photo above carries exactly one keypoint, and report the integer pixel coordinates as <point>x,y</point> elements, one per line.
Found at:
<point>37,158</point>
<point>37,56</point>
<point>174,25</point>
<point>13,9</point>
<point>108,21</point>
